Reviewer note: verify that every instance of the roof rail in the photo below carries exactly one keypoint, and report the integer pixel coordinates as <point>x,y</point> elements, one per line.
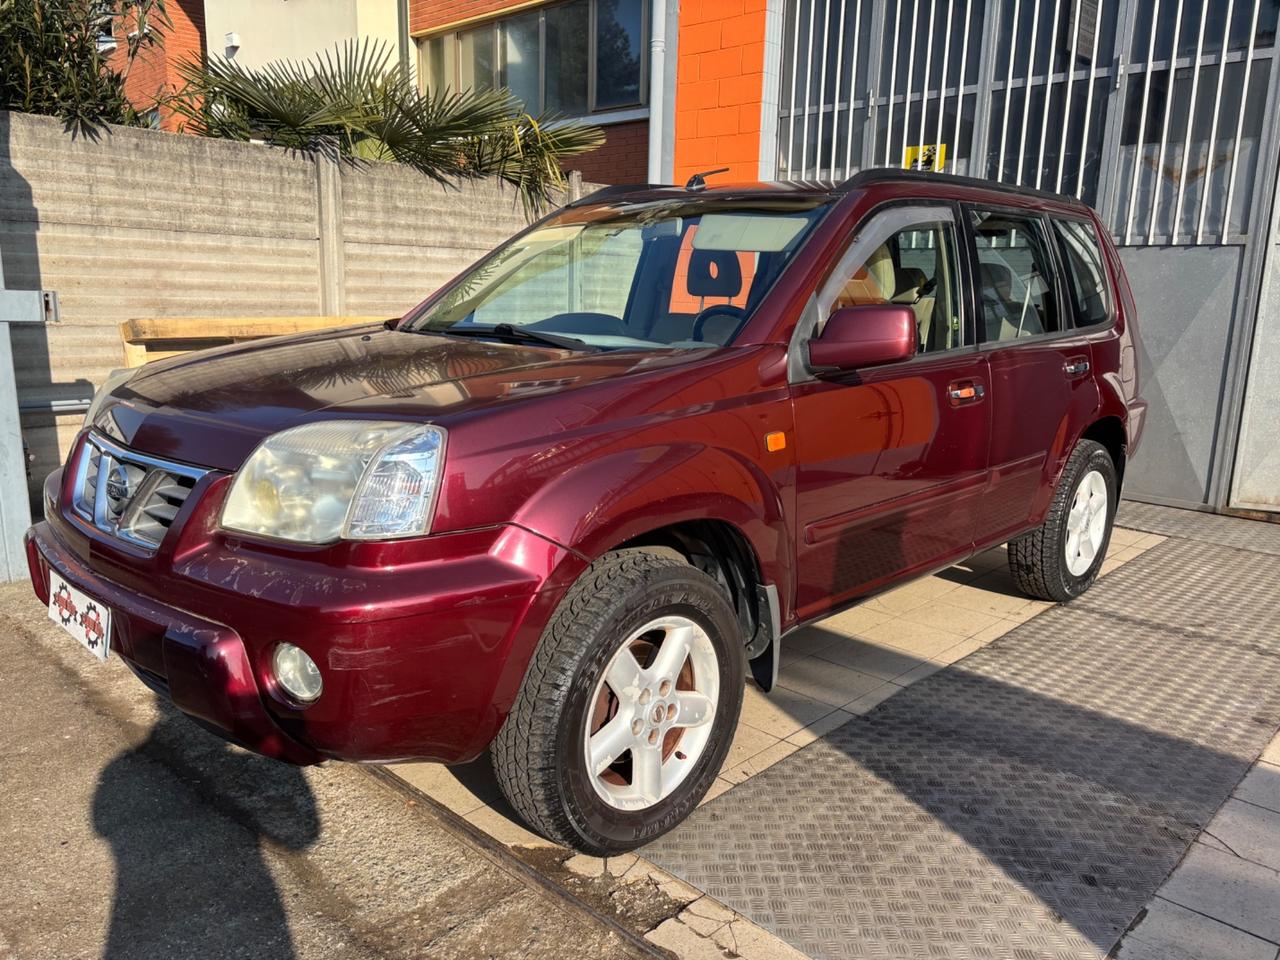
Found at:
<point>619,188</point>
<point>874,175</point>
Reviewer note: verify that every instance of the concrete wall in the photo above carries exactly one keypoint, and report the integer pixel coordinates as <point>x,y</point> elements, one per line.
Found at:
<point>295,29</point>
<point>141,223</point>
<point>1256,484</point>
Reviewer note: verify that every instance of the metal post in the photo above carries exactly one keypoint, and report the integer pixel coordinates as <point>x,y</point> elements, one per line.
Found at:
<point>16,306</point>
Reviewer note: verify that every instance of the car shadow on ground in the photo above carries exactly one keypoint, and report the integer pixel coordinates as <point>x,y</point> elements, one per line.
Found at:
<point>191,884</point>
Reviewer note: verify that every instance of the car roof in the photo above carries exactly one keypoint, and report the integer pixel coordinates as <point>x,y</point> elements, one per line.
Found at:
<point>930,184</point>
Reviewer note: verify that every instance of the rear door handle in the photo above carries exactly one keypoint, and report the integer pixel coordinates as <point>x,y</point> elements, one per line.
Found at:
<point>965,391</point>
<point>1076,366</point>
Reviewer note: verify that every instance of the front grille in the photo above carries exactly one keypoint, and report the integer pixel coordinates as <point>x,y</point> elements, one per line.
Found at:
<point>130,495</point>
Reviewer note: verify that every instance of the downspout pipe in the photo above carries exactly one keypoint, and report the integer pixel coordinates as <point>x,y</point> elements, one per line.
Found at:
<point>402,28</point>
<point>657,80</point>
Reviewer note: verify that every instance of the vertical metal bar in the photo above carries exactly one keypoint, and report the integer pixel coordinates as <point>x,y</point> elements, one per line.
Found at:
<point>853,87</point>
<point>1008,91</point>
<point>1191,118</point>
<point>808,85</point>
<point>964,65</point>
<point>835,99</point>
<point>873,71</point>
<point>906,93</point>
<point>1142,125</point>
<point>1164,126</point>
<point>791,119</point>
<point>928,65</point>
<point>1026,95</point>
<point>1088,107</point>
<point>1244,102</point>
<point>822,90</point>
<point>984,100</point>
<point>942,91</point>
<point>1048,92</point>
<point>1066,110</point>
<point>893,80</point>
<point>1213,124</point>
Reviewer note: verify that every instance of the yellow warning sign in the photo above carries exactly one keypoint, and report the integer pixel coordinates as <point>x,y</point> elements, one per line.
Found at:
<point>929,156</point>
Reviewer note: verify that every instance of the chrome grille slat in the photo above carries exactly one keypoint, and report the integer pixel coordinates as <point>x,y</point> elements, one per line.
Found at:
<point>130,495</point>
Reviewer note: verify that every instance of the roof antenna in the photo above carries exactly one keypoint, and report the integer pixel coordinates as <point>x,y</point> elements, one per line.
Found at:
<point>699,180</point>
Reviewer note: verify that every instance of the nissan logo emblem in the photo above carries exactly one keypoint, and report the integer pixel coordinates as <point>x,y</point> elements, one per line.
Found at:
<point>118,482</point>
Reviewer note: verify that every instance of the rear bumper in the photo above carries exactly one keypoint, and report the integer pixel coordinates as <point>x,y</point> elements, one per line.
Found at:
<point>423,663</point>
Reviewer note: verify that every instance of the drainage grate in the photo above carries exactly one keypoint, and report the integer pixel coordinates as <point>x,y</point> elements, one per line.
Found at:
<point>1026,802</point>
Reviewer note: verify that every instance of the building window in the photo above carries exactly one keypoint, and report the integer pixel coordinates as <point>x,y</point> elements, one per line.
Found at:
<point>106,35</point>
<point>573,58</point>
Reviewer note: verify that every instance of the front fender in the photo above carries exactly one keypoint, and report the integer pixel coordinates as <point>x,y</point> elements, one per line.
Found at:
<point>596,506</point>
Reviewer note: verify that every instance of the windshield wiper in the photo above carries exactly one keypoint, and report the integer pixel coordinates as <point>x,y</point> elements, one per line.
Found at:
<point>509,331</point>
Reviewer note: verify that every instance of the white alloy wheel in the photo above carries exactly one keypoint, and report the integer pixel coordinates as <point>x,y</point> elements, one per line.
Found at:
<point>650,718</point>
<point>1086,523</point>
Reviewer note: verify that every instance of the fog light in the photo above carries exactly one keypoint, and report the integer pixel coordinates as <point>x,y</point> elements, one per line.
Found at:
<point>297,673</point>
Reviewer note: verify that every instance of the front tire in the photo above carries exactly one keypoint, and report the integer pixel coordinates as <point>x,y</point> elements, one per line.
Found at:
<point>629,705</point>
<point>1060,559</point>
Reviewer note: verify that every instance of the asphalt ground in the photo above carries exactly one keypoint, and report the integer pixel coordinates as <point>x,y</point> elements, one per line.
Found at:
<point>128,831</point>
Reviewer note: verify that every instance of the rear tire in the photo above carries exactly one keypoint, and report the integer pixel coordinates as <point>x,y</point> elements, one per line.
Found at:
<point>1060,559</point>
<point>603,770</point>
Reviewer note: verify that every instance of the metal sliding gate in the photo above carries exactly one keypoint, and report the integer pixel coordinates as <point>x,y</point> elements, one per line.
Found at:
<point>1162,114</point>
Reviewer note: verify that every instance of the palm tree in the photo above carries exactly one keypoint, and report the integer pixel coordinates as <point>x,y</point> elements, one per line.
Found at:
<point>354,102</point>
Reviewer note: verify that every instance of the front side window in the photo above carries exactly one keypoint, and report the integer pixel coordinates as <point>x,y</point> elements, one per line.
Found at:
<point>675,273</point>
<point>1089,286</point>
<point>572,59</point>
<point>1015,280</point>
<point>917,267</point>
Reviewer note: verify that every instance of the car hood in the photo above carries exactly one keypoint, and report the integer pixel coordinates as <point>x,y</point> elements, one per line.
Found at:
<point>211,408</point>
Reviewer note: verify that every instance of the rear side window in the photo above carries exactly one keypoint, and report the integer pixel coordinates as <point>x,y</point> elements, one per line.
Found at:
<point>1015,279</point>
<point>1088,284</point>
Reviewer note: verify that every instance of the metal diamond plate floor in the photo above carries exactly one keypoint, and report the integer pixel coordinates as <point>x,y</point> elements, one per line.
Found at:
<point>1028,801</point>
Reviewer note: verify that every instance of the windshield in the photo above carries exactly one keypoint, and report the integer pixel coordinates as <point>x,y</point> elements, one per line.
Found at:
<point>670,273</point>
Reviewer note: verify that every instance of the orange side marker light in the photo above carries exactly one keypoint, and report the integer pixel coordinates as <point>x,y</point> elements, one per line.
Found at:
<point>773,442</point>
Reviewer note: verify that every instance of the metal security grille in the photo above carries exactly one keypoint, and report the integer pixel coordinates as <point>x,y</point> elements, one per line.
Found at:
<point>1155,111</point>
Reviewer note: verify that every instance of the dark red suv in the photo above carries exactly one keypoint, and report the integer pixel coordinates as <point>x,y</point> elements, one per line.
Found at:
<point>562,507</point>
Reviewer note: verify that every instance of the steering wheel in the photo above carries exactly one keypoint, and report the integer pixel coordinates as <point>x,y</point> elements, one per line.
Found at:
<point>716,309</point>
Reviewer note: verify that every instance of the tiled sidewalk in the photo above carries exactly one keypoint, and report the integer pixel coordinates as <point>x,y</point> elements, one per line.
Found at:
<point>832,671</point>
<point>1223,900</point>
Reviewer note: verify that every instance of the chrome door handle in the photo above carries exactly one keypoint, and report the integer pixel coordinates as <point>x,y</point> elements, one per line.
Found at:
<point>1076,367</point>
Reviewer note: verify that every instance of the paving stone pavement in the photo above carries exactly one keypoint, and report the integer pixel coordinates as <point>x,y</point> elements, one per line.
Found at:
<point>1029,800</point>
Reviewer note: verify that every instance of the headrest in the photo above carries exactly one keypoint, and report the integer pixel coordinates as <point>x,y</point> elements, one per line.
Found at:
<point>714,273</point>
<point>910,279</point>
<point>998,277</point>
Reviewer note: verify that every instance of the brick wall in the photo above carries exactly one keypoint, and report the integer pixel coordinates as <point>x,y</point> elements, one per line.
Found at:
<point>719,87</point>
<point>624,158</point>
<point>428,15</point>
<point>155,71</point>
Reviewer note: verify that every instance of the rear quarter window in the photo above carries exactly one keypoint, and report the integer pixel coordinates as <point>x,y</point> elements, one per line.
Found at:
<point>1086,276</point>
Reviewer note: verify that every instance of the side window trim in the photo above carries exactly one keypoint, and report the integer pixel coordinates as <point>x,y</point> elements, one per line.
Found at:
<point>876,228</point>
<point>1050,243</point>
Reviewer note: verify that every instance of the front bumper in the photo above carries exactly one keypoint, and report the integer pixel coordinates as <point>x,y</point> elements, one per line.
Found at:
<point>422,644</point>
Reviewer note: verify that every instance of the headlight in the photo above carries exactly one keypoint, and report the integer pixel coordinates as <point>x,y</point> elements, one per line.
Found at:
<point>116,378</point>
<point>353,479</point>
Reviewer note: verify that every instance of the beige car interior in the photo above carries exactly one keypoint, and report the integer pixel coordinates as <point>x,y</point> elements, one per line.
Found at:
<point>883,280</point>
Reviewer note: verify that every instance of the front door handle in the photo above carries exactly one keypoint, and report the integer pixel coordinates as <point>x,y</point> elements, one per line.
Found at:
<point>1076,366</point>
<point>965,391</point>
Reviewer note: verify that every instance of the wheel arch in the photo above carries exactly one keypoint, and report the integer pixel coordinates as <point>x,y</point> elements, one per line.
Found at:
<point>1110,432</point>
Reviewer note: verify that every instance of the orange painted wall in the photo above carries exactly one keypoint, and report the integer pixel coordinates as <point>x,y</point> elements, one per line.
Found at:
<point>719,88</point>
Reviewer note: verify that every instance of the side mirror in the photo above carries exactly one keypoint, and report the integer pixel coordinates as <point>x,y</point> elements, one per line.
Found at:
<point>864,336</point>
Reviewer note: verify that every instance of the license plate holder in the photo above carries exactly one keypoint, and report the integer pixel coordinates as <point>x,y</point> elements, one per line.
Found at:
<point>84,618</point>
